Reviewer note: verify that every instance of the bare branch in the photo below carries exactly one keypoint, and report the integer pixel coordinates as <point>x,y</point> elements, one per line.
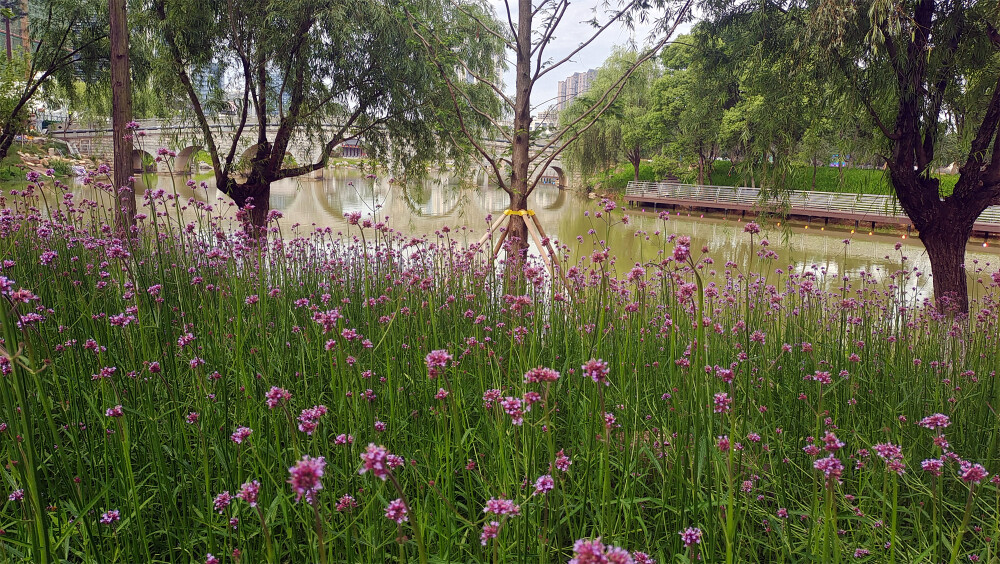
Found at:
<point>540,72</point>
<point>550,27</point>
<point>548,161</point>
<point>493,87</point>
<point>510,19</point>
<point>604,102</point>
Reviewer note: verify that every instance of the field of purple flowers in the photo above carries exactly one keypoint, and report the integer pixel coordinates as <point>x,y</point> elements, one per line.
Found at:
<point>183,395</point>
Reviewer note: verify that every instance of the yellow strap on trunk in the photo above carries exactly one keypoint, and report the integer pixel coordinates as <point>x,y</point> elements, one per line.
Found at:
<point>519,212</point>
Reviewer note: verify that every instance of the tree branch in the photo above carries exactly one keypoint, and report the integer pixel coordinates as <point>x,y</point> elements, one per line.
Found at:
<point>550,26</point>
<point>987,132</point>
<point>454,100</point>
<point>332,144</point>
<point>222,180</point>
<point>540,72</point>
<point>485,27</point>
<point>510,21</point>
<point>239,130</point>
<point>867,103</point>
<point>493,87</point>
<point>619,85</point>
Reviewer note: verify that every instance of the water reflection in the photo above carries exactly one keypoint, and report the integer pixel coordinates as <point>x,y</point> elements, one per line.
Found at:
<point>421,208</point>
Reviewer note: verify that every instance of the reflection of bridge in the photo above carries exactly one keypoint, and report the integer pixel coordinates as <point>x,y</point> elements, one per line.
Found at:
<point>188,140</point>
<point>421,208</point>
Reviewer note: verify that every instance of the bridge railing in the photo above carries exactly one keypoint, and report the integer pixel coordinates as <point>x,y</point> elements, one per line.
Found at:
<point>798,201</point>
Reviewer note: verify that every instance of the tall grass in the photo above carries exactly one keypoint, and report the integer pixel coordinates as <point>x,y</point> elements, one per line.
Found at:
<point>753,407</point>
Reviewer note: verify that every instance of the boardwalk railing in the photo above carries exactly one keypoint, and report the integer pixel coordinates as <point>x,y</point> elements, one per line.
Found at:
<point>857,207</point>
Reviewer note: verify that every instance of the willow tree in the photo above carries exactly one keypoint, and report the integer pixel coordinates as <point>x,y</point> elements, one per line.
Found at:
<point>67,42</point>
<point>323,70</point>
<point>624,130</point>
<point>526,35</point>
<point>917,71</point>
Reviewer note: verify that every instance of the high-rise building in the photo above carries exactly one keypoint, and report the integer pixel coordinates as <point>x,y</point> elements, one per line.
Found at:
<point>574,85</point>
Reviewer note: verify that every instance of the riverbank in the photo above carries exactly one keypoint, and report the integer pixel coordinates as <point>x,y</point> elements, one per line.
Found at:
<point>182,395</point>
<point>39,155</point>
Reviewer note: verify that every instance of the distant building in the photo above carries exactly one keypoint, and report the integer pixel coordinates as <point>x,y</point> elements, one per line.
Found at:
<point>547,119</point>
<point>574,85</point>
<point>352,149</point>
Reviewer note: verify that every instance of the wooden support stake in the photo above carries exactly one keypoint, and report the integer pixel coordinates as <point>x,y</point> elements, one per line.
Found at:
<point>491,230</point>
<point>496,248</point>
<point>553,254</point>
<point>533,231</point>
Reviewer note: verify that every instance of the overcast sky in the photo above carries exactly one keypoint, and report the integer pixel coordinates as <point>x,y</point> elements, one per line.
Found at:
<point>572,31</point>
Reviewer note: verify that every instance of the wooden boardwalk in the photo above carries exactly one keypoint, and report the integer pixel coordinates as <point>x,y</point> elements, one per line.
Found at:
<point>860,208</point>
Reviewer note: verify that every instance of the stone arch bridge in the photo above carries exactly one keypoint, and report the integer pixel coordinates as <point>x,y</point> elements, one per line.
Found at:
<point>188,140</point>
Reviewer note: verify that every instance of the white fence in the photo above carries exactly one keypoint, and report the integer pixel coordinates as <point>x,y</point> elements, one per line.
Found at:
<point>865,207</point>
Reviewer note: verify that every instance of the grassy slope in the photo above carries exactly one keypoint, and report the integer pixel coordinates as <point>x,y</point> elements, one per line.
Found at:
<point>828,179</point>
<point>854,181</point>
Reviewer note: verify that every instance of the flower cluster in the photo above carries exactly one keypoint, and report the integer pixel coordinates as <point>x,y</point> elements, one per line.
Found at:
<point>306,478</point>
<point>309,418</point>
<point>597,370</point>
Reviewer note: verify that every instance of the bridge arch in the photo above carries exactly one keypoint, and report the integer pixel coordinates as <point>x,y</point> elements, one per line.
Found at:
<point>143,161</point>
<point>185,160</point>
<point>561,175</point>
<point>553,176</point>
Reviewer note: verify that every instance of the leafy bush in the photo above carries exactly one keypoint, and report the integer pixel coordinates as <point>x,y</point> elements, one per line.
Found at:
<point>61,167</point>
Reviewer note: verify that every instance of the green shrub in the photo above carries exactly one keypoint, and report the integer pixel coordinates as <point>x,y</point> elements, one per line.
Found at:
<point>61,168</point>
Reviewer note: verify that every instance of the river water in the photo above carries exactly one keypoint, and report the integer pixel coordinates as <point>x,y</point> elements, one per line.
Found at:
<point>433,204</point>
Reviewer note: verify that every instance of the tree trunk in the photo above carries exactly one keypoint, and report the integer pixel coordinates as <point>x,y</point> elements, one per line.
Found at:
<point>121,115</point>
<point>945,243</point>
<point>6,25</point>
<point>517,232</point>
<point>701,168</point>
<point>814,174</point>
<point>7,135</point>
<point>256,197</point>
<point>945,226</point>
<point>635,157</point>
<point>520,159</point>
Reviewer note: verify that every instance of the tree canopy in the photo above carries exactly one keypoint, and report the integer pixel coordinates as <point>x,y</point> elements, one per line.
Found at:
<point>904,79</point>
<point>324,69</point>
<point>624,130</point>
<point>68,43</point>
